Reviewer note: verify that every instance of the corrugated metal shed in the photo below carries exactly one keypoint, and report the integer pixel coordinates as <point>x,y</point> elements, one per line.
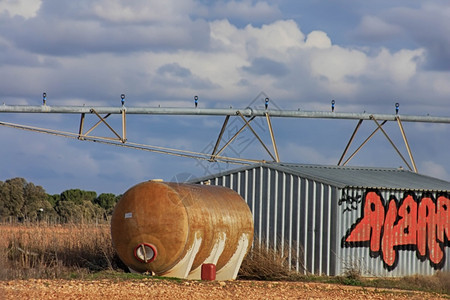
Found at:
<point>309,212</point>
<point>355,177</point>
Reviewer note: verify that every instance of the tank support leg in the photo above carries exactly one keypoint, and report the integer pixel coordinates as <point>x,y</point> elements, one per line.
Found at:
<point>182,269</point>
<point>231,269</point>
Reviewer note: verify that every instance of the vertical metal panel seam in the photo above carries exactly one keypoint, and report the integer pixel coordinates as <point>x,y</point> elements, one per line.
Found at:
<point>260,203</point>
<point>268,209</point>
<point>275,212</point>
<point>291,201</point>
<point>253,194</point>
<point>305,243</point>
<point>239,183</point>
<point>232,176</point>
<point>313,229</point>
<point>337,231</point>
<point>320,250</point>
<point>329,230</point>
<point>298,224</point>
<point>283,211</point>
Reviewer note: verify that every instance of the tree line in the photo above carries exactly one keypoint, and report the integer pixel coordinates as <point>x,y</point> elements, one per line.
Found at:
<point>25,202</point>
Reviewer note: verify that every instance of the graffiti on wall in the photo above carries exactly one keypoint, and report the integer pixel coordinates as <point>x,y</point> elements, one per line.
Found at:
<point>351,202</point>
<point>411,223</point>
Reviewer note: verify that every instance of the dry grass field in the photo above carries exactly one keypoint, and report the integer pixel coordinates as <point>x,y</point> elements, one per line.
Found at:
<point>40,261</point>
<point>53,251</point>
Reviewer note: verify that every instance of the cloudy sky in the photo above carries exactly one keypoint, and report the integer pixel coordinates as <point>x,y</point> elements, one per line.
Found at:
<point>367,55</point>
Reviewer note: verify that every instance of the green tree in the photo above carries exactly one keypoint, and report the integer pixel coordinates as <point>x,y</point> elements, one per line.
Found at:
<point>76,205</point>
<point>68,211</point>
<point>77,196</point>
<point>13,196</point>
<point>107,201</point>
<point>4,211</point>
<point>36,205</point>
<point>23,200</point>
<point>53,199</point>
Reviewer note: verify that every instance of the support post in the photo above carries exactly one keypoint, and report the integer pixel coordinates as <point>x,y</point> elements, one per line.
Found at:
<point>124,126</point>
<point>272,136</point>
<point>219,138</point>
<point>400,125</point>
<point>80,131</point>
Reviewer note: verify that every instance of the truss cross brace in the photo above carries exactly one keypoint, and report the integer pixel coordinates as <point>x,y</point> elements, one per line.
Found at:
<point>257,136</point>
<point>380,127</point>
<point>82,136</point>
<point>230,140</point>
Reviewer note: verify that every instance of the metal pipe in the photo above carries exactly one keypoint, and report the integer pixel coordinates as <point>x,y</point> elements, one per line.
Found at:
<point>407,144</point>
<point>272,136</point>
<point>131,145</point>
<point>80,131</point>
<point>247,112</point>
<point>219,138</point>
<point>124,126</point>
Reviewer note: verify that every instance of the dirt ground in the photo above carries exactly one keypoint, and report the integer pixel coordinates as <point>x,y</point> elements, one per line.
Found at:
<point>168,289</point>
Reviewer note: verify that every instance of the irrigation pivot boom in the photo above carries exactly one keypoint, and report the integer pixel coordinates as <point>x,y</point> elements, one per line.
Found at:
<point>246,114</point>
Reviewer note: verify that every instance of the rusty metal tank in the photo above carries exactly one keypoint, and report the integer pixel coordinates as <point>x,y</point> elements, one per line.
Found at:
<point>171,229</point>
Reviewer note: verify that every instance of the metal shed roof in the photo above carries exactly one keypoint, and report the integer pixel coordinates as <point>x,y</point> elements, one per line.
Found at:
<point>354,177</point>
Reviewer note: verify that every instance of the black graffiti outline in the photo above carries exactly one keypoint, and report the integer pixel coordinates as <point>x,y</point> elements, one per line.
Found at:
<point>351,201</point>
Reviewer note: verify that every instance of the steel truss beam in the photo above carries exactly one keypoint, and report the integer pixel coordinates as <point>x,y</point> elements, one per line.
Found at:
<point>244,113</point>
<point>247,112</point>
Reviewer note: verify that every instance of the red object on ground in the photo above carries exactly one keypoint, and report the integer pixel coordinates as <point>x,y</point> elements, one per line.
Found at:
<point>208,272</point>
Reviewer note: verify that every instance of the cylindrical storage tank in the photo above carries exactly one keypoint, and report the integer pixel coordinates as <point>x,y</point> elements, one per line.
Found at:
<point>171,229</point>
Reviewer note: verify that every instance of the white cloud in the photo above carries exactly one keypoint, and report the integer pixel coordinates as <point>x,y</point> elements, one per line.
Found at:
<point>399,66</point>
<point>151,11</point>
<point>23,8</point>
<point>274,40</point>
<point>337,63</point>
<point>318,39</point>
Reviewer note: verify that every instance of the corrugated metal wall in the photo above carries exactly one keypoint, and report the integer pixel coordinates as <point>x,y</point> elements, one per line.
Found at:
<point>308,220</point>
<point>359,257</point>
<point>285,220</point>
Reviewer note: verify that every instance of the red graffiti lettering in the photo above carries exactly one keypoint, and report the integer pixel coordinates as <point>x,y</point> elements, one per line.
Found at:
<point>424,225</point>
<point>443,220</point>
<point>426,231</point>
<point>369,229</point>
<point>390,235</point>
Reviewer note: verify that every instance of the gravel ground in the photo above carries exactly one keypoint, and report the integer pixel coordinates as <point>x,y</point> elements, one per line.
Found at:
<point>167,289</point>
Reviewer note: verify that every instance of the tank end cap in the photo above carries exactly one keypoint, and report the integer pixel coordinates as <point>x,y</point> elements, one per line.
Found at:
<point>145,253</point>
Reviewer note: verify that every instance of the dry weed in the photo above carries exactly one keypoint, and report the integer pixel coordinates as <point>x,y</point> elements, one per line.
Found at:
<point>440,282</point>
<point>49,251</point>
<point>265,263</point>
